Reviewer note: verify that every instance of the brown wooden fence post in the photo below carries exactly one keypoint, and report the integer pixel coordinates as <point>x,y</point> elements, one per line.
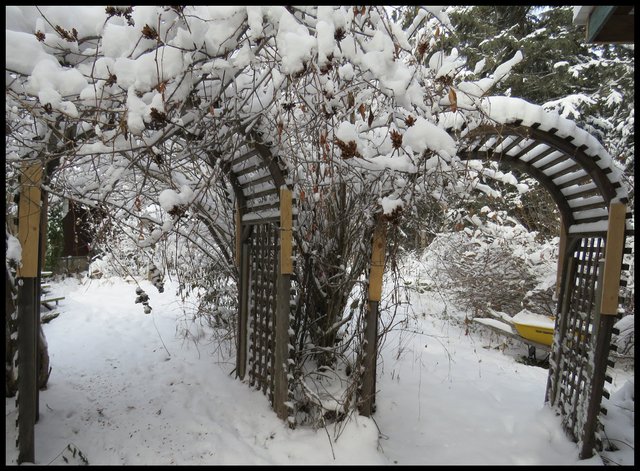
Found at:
<point>238,219</point>
<point>608,311</point>
<point>368,388</point>
<point>613,259</point>
<point>242,260</point>
<point>564,302</point>
<point>281,354</point>
<point>562,248</point>
<point>28,235</point>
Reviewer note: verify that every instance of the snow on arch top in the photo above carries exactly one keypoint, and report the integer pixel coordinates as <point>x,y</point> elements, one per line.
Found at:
<point>569,161</point>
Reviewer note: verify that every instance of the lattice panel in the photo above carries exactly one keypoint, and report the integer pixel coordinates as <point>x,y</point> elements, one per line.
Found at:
<point>574,368</point>
<point>263,256</point>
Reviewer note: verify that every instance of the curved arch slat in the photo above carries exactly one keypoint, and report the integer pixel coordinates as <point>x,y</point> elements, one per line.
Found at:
<point>566,171</point>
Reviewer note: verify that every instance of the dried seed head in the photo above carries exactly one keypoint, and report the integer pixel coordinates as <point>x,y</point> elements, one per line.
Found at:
<point>423,45</point>
<point>396,139</point>
<point>349,149</point>
<point>150,32</point>
<point>113,78</point>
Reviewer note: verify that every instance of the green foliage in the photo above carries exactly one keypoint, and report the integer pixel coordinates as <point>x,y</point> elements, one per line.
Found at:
<point>592,84</point>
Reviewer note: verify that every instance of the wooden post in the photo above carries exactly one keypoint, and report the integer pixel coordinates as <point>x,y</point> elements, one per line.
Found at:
<point>281,383</point>
<point>28,235</point>
<point>368,388</point>
<point>242,261</point>
<point>27,372</point>
<point>377,262</point>
<point>600,357</point>
<point>613,259</point>
<point>606,317</point>
<point>243,307</point>
<point>29,220</point>
<point>286,236</point>
<point>238,236</point>
<point>567,283</point>
<point>562,248</point>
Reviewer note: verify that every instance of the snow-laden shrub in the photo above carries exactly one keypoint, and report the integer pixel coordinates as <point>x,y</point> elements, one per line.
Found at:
<point>206,283</point>
<point>495,264</point>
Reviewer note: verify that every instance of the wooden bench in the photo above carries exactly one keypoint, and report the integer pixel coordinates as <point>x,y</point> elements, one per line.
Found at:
<point>48,317</point>
<point>46,302</point>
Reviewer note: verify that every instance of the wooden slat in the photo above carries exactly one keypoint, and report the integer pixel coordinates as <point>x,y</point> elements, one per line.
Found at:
<point>575,181</point>
<point>263,207</point>
<point>613,259</point>
<point>516,140</point>
<point>244,157</point>
<point>541,155</point>
<point>581,214</point>
<point>587,220</point>
<point>256,202</point>
<point>526,150</point>
<point>261,193</point>
<point>257,181</point>
<point>253,219</point>
<point>552,173</point>
<point>252,168</point>
<point>582,191</point>
<point>499,140</point>
<point>481,142</point>
<point>596,205</point>
<point>552,160</point>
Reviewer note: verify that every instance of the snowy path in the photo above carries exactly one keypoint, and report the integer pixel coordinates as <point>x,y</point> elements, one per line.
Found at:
<point>119,397</point>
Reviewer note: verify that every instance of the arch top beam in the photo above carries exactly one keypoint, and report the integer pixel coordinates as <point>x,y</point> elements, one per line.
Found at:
<point>572,165</point>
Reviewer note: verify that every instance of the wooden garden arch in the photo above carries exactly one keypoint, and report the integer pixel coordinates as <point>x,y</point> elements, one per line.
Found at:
<point>580,177</point>
<point>264,251</point>
<point>264,218</point>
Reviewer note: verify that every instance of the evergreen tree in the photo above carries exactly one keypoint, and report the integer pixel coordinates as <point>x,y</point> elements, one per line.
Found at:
<point>590,83</point>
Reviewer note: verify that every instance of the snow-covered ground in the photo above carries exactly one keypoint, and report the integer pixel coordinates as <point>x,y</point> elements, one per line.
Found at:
<point>130,388</point>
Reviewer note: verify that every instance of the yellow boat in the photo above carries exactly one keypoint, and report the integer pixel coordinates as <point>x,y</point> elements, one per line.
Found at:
<point>534,327</point>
